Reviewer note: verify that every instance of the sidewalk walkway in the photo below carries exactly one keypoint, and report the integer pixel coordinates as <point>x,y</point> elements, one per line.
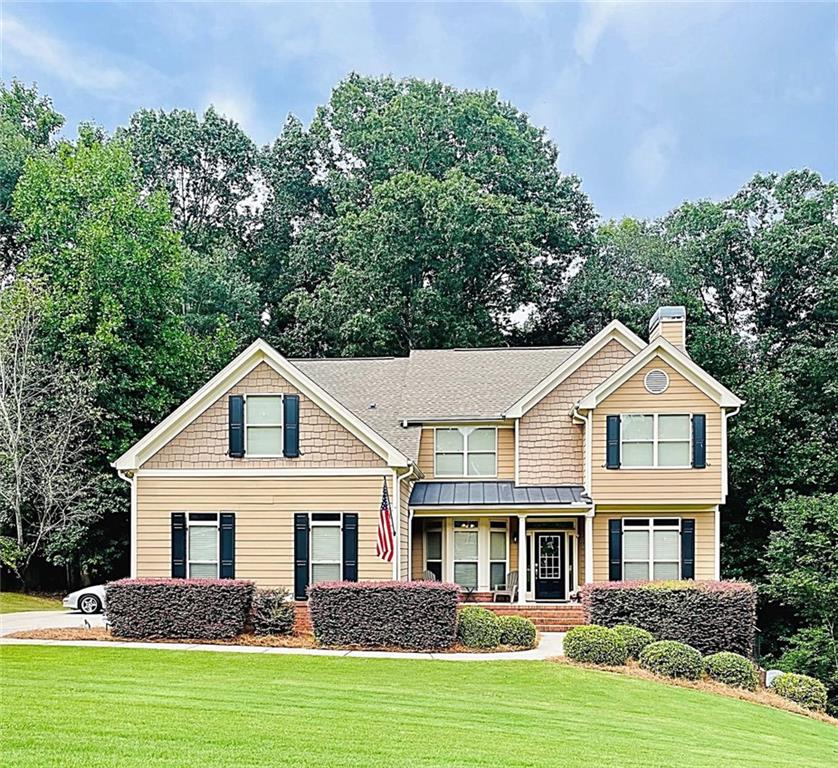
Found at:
<point>550,642</point>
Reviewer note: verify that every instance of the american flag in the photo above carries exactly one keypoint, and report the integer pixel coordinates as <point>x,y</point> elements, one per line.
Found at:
<point>385,546</point>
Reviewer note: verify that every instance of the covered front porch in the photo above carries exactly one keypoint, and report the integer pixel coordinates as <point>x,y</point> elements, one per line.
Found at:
<point>478,546</point>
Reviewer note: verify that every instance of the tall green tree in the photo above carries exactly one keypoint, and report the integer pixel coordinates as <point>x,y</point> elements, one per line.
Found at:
<point>451,160</point>
<point>27,124</point>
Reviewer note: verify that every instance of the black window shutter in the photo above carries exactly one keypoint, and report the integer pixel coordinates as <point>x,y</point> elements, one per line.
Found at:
<point>300,556</point>
<point>688,548</point>
<point>178,545</point>
<point>350,547</point>
<point>699,441</point>
<point>291,426</point>
<point>227,569</point>
<point>615,550</point>
<point>612,442</point>
<point>236,426</point>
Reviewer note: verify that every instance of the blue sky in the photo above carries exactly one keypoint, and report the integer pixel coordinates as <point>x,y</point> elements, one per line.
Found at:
<point>650,104</point>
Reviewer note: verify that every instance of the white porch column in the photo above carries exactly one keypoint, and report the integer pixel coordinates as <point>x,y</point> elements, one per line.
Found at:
<point>589,549</point>
<point>522,559</point>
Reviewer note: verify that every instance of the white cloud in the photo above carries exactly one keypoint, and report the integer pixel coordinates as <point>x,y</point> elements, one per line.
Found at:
<point>596,17</point>
<point>649,161</point>
<point>125,80</point>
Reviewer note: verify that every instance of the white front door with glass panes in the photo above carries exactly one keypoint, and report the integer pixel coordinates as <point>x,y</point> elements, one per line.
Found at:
<point>651,549</point>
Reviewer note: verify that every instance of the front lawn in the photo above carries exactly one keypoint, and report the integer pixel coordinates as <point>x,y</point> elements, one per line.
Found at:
<point>12,602</point>
<point>130,707</point>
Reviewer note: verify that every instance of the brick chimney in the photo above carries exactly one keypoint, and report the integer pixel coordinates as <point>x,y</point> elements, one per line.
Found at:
<point>671,323</point>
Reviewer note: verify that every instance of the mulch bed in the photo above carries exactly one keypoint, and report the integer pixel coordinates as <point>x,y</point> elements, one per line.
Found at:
<point>264,641</point>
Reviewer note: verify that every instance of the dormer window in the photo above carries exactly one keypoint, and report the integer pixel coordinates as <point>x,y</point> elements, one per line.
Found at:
<point>466,451</point>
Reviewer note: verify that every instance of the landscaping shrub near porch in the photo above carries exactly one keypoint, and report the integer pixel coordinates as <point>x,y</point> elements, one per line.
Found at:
<point>201,609</point>
<point>413,614</point>
<point>711,616</point>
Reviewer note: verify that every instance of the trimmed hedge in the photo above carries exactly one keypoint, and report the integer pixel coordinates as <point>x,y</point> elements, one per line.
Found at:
<point>409,614</point>
<point>272,612</point>
<point>732,669</point>
<point>636,639</point>
<point>478,628</point>
<point>807,691</point>
<point>711,616</point>
<point>517,631</point>
<point>593,644</point>
<point>205,609</point>
<point>672,659</point>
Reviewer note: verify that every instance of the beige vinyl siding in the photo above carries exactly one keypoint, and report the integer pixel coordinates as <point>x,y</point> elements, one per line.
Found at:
<point>203,444</point>
<point>506,453</point>
<point>671,330</point>
<point>264,509</point>
<point>551,447</point>
<point>705,545</point>
<point>658,486</point>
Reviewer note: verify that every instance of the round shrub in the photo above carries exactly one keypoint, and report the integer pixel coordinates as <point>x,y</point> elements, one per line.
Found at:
<point>478,628</point>
<point>807,691</point>
<point>636,639</point>
<point>732,669</point>
<point>672,659</point>
<point>593,644</point>
<point>272,612</point>
<point>517,631</point>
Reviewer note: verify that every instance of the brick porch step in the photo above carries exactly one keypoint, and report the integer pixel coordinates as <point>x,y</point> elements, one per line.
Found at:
<point>547,618</point>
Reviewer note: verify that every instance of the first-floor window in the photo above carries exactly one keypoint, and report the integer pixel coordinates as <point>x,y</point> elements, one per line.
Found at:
<point>497,554</point>
<point>465,553</point>
<point>651,548</point>
<point>326,555</point>
<point>202,545</point>
<point>433,550</point>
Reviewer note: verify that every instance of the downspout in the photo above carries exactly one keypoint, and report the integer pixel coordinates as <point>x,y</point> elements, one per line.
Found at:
<point>717,522</point>
<point>397,493</point>
<point>130,478</point>
<point>587,421</point>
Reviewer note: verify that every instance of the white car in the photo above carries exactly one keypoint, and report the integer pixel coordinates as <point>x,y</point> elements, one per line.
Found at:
<point>87,600</point>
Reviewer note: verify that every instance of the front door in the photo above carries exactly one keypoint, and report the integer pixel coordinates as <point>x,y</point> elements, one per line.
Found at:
<point>549,566</point>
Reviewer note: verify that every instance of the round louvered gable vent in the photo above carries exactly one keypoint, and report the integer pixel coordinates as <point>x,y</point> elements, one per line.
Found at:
<point>656,382</point>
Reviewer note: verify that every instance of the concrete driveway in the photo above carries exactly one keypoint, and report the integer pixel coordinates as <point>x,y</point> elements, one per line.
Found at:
<point>18,622</point>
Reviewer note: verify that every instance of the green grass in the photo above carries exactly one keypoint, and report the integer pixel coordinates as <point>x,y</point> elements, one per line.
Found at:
<point>12,602</point>
<point>130,707</point>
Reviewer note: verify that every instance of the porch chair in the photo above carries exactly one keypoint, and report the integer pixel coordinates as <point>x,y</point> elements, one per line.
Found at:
<point>429,576</point>
<point>510,589</point>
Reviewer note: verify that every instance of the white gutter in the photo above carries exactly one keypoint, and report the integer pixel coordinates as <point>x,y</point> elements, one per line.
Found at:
<point>129,477</point>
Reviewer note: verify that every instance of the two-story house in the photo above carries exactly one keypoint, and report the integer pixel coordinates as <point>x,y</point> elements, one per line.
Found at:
<point>565,464</point>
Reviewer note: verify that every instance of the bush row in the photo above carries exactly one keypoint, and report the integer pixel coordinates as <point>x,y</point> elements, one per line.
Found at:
<point>711,616</point>
<point>420,614</point>
<point>481,628</point>
<point>595,644</point>
<point>199,609</point>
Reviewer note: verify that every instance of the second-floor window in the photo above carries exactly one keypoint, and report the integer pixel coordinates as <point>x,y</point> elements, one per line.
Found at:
<point>466,452</point>
<point>263,425</point>
<point>655,440</point>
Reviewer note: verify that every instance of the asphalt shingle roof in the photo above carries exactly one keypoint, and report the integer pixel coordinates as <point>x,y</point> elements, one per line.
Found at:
<point>467,384</point>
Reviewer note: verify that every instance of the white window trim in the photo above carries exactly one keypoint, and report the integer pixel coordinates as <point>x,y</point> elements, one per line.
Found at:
<point>203,524</point>
<point>281,425</point>
<point>656,441</point>
<point>506,553</point>
<point>477,560</point>
<point>312,523</point>
<point>650,527</point>
<point>465,453</point>
<point>426,528</point>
